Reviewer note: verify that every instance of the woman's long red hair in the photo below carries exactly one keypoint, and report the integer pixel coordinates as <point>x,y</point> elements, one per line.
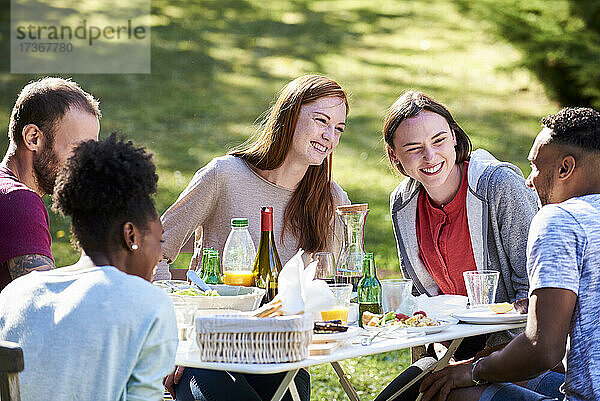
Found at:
<point>310,211</point>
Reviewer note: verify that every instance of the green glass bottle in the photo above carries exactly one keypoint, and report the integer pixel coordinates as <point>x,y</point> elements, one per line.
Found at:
<point>204,266</point>
<point>267,264</point>
<point>213,275</point>
<point>369,289</point>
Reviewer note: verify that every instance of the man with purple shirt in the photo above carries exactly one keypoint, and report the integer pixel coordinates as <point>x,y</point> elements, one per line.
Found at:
<point>50,116</point>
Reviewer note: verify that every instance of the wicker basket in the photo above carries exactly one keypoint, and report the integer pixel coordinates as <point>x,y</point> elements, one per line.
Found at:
<point>241,339</point>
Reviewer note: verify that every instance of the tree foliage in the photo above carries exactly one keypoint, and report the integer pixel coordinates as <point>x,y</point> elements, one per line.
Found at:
<point>559,39</point>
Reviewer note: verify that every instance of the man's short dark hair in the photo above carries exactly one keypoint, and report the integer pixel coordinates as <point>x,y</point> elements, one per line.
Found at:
<point>575,126</point>
<point>44,103</point>
<point>103,185</point>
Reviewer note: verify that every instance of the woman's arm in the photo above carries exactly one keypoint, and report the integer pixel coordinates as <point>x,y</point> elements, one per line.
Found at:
<point>197,201</point>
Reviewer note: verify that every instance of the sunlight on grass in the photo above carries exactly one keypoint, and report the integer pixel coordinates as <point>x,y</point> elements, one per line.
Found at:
<point>369,375</point>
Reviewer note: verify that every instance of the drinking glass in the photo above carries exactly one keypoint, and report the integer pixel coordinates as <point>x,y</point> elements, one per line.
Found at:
<point>325,266</point>
<point>395,293</point>
<point>184,314</point>
<point>481,286</point>
<point>341,293</point>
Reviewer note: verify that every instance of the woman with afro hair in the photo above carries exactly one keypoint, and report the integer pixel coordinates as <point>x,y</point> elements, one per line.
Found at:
<point>97,330</point>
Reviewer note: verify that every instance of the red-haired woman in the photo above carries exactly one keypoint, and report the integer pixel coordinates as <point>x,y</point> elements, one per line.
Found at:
<point>287,165</point>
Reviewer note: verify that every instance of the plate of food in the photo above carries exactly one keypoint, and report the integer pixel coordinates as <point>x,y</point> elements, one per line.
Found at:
<point>221,296</point>
<point>494,313</point>
<point>431,329</point>
<point>419,323</point>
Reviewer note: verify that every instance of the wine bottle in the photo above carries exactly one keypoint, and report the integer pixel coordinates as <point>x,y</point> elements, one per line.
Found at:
<point>267,264</point>
<point>369,289</point>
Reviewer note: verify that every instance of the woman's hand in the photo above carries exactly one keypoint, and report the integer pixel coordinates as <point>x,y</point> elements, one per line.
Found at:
<point>445,380</point>
<point>172,379</point>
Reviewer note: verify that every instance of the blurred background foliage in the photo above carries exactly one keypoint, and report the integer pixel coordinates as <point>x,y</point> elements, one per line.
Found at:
<point>559,41</point>
<point>217,64</point>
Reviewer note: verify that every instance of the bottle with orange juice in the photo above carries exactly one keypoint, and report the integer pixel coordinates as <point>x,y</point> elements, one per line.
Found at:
<point>239,254</point>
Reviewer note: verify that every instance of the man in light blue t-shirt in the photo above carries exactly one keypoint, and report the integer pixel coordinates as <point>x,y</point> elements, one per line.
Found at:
<point>563,262</point>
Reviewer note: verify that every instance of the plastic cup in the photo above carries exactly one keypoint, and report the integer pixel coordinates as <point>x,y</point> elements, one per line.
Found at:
<point>184,314</point>
<point>342,294</point>
<point>394,293</point>
<point>481,286</point>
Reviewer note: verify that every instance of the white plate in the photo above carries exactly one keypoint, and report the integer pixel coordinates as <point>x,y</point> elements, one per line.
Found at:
<point>444,324</point>
<point>486,316</point>
<point>352,330</point>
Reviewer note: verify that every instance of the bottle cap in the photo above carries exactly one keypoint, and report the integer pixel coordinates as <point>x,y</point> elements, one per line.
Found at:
<point>266,218</point>
<point>239,222</point>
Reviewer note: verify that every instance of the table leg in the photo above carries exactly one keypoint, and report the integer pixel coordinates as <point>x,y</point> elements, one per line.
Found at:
<point>346,385</point>
<point>436,366</point>
<point>287,382</point>
<point>294,391</point>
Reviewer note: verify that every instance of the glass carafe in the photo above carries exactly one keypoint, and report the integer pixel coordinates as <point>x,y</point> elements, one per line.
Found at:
<point>350,260</point>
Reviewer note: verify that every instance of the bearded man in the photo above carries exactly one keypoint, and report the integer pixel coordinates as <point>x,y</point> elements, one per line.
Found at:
<point>49,118</point>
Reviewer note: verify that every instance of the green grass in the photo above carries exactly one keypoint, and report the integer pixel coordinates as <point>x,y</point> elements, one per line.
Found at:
<point>217,64</point>
<point>369,375</point>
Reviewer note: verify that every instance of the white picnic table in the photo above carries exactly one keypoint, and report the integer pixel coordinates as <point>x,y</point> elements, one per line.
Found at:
<point>454,333</point>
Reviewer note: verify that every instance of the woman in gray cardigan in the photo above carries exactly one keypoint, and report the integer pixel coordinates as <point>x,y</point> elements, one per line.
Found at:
<point>455,211</point>
<point>499,207</point>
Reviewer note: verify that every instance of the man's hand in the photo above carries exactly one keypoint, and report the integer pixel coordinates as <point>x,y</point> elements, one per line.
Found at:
<point>172,379</point>
<point>539,348</point>
<point>445,380</point>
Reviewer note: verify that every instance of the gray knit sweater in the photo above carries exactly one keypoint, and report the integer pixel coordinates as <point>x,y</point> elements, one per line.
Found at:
<point>225,188</point>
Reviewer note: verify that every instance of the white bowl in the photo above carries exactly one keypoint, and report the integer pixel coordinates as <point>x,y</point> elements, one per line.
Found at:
<point>230,297</point>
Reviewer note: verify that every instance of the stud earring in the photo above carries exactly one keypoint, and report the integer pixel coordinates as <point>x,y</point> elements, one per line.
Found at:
<point>134,247</point>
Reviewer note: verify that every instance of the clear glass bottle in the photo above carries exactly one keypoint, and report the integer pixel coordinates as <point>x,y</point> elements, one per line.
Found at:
<point>267,264</point>
<point>369,289</point>
<point>350,260</point>
<point>239,254</point>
